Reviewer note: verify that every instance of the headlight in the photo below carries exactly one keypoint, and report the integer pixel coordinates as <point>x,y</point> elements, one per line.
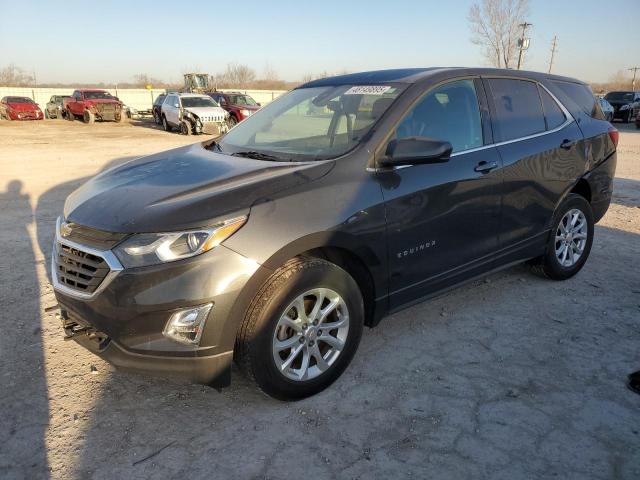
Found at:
<point>246,113</point>
<point>153,248</point>
<point>625,107</point>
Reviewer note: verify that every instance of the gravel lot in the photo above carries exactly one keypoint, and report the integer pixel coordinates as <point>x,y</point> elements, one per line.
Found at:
<point>510,377</point>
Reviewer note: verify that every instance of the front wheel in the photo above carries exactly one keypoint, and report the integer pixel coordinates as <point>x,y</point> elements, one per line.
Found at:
<point>302,329</point>
<point>88,117</point>
<point>569,241</point>
<point>232,121</point>
<point>185,127</point>
<point>165,124</point>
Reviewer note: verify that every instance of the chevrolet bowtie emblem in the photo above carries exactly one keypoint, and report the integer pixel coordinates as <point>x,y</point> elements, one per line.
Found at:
<point>65,229</point>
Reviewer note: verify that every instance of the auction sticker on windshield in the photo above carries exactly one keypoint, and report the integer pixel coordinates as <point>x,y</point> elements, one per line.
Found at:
<point>367,90</point>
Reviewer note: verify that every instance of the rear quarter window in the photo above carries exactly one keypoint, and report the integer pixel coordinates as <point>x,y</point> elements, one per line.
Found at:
<point>552,111</point>
<point>518,108</point>
<point>583,97</point>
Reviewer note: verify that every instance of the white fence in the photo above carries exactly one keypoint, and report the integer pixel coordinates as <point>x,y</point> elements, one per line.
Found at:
<point>138,98</point>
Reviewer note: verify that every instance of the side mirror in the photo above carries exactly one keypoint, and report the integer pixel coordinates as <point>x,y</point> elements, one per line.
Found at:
<point>259,104</point>
<point>416,150</point>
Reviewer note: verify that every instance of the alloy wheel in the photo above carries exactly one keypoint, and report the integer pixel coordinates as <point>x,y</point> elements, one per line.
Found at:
<point>571,237</point>
<point>310,334</point>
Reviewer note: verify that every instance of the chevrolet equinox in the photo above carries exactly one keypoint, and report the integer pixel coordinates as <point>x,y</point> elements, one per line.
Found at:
<point>340,202</point>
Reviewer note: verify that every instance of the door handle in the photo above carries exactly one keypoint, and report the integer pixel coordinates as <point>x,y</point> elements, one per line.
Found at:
<point>567,144</point>
<point>485,167</point>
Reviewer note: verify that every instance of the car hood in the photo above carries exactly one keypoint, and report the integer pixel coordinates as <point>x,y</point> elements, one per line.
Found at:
<point>24,107</point>
<point>207,111</point>
<point>247,107</point>
<point>188,187</point>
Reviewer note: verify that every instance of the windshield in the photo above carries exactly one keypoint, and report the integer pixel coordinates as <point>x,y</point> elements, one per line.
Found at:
<point>192,102</point>
<point>242,100</point>
<point>311,123</point>
<point>98,96</point>
<point>19,100</point>
<point>619,96</point>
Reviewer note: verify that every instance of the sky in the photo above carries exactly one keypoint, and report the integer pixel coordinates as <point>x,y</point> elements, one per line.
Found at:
<point>74,41</point>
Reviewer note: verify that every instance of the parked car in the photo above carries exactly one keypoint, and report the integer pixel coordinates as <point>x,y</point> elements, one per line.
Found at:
<point>277,243</point>
<point>626,104</point>
<point>638,121</point>
<point>239,105</point>
<point>157,108</point>
<point>193,113</point>
<point>55,108</point>
<point>93,105</point>
<point>606,108</point>
<point>19,108</point>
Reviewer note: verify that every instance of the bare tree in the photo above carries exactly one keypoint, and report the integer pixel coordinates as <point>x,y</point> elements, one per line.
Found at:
<point>236,75</point>
<point>12,76</point>
<point>144,79</point>
<point>269,74</point>
<point>494,27</point>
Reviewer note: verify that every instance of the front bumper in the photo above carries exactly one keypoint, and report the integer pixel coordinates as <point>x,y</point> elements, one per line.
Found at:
<point>123,322</point>
<point>26,115</point>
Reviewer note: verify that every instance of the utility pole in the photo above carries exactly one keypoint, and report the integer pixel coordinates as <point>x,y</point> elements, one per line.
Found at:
<point>553,51</point>
<point>523,43</point>
<point>633,82</point>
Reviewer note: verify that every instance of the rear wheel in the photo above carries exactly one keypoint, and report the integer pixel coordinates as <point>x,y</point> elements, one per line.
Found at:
<point>570,240</point>
<point>156,117</point>
<point>302,329</point>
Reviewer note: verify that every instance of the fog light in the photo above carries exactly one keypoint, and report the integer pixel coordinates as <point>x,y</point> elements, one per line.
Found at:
<point>186,326</point>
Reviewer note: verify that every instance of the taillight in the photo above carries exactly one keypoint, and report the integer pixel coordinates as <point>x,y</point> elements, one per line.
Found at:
<point>614,135</point>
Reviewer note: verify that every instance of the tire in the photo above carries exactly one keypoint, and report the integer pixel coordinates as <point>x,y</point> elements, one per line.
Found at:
<point>185,128</point>
<point>123,117</point>
<point>256,352</point>
<point>232,121</point>
<point>70,116</point>
<point>156,118</point>
<point>88,117</point>
<point>629,117</point>
<point>550,264</point>
<point>165,124</point>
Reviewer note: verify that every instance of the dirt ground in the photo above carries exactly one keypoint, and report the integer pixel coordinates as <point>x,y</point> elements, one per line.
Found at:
<point>510,377</point>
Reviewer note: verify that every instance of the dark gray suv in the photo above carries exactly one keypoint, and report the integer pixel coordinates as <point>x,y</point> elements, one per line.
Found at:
<point>344,200</point>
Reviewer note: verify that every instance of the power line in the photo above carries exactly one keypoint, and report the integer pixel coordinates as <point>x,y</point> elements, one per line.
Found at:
<point>523,43</point>
<point>553,51</point>
<point>633,82</point>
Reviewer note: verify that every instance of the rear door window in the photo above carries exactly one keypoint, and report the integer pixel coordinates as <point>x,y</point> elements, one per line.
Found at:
<point>583,97</point>
<point>449,113</point>
<point>518,108</point>
<point>552,111</point>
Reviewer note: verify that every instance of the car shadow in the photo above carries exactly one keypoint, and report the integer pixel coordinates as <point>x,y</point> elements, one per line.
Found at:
<point>24,415</point>
<point>626,192</point>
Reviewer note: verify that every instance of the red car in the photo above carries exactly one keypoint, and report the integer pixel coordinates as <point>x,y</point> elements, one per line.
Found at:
<point>20,108</point>
<point>239,105</point>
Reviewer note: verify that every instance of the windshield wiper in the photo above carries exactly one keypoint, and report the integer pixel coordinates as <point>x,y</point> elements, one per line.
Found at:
<point>259,156</point>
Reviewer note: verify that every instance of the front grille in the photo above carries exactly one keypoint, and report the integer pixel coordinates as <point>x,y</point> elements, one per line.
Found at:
<point>212,118</point>
<point>79,270</point>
